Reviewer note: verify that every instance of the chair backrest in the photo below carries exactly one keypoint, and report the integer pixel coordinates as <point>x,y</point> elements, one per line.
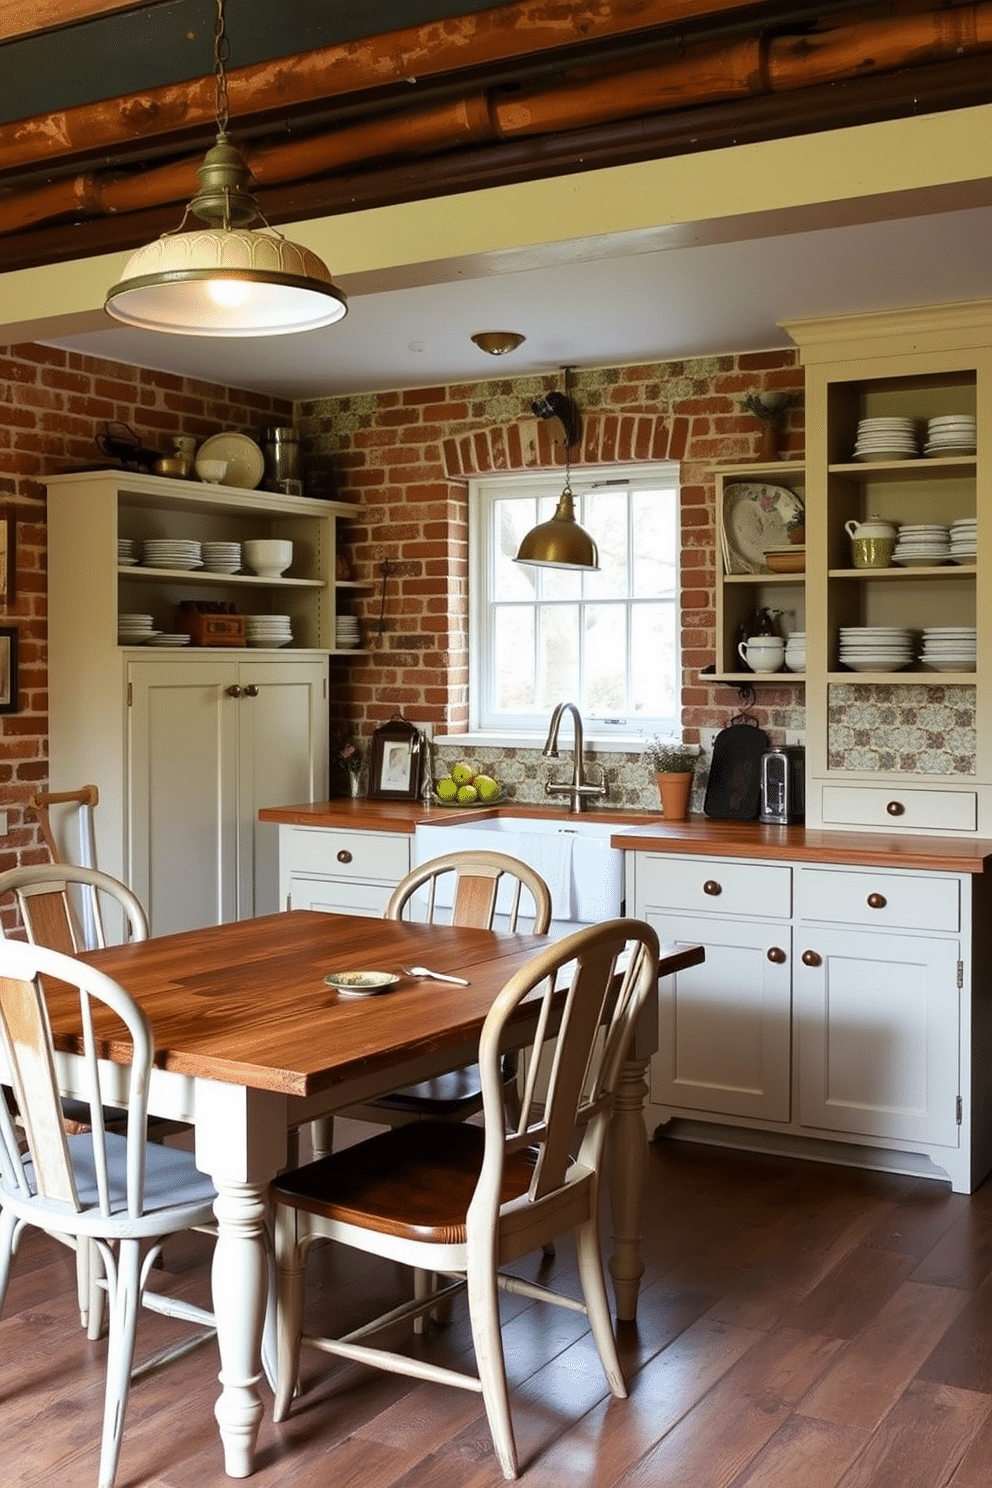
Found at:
<point>471,883</point>
<point>100,1008</point>
<point>67,826</point>
<point>43,891</point>
<point>588,991</point>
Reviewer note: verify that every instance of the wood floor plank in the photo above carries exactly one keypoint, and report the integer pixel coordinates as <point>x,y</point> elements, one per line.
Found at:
<point>921,1440</point>
<point>879,1363</point>
<point>804,1452</point>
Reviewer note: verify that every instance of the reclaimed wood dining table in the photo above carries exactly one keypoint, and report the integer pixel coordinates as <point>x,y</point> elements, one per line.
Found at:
<point>251,1042</point>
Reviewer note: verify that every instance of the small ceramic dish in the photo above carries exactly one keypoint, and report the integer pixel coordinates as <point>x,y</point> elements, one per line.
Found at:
<point>360,983</point>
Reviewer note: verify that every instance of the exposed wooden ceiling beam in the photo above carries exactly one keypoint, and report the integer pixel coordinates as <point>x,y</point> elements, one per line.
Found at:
<point>29,17</point>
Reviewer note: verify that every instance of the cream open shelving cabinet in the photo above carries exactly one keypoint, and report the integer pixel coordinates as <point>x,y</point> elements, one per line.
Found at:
<point>186,744</point>
<point>906,750</point>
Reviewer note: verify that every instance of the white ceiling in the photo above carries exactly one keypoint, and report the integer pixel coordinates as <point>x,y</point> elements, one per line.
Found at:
<point>601,302</point>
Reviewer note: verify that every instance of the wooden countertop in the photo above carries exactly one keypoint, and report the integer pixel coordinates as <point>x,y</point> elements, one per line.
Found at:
<point>645,832</point>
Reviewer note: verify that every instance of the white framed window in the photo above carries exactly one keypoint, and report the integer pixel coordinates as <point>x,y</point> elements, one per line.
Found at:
<point>606,640</point>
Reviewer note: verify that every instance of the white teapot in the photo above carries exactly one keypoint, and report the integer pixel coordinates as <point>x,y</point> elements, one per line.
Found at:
<point>871,527</point>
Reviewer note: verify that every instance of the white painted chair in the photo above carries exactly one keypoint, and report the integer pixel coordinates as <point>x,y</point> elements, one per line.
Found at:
<point>462,1200</point>
<point>461,888</point>
<point>43,894</point>
<point>117,1191</point>
<point>67,826</point>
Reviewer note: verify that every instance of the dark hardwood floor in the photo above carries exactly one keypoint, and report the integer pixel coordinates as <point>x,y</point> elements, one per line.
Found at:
<point>800,1326</point>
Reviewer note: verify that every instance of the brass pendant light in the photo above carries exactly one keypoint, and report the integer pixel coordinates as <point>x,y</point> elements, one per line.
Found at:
<point>561,542</point>
<point>225,279</point>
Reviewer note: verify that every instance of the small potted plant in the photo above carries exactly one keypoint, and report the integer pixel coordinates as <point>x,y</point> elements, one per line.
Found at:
<point>674,765</point>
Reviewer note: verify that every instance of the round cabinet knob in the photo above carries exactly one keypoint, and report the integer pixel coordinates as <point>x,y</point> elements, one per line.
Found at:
<point>344,856</point>
<point>712,888</point>
<point>251,690</point>
<point>234,690</point>
<point>896,808</point>
<point>776,955</point>
<point>812,958</point>
<point>876,901</point>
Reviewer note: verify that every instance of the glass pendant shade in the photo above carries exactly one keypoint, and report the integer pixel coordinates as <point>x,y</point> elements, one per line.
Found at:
<point>560,543</point>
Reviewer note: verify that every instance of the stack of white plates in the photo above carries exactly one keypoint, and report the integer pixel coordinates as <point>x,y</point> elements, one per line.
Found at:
<point>949,648</point>
<point>950,434</point>
<point>875,648</point>
<point>125,552</point>
<point>268,630</point>
<point>886,439</point>
<point>922,544</point>
<point>134,630</point>
<point>161,552</point>
<point>346,631</point>
<point>169,640</point>
<point>964,540</point>
<point>222,557</point>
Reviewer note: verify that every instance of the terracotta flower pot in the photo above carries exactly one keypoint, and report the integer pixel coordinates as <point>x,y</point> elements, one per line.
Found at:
<point>675,791</point>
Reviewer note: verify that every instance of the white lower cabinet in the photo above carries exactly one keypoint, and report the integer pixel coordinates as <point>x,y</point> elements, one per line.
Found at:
<point>209,743</point>
<point>341,871</point>
<point>856,1012</point>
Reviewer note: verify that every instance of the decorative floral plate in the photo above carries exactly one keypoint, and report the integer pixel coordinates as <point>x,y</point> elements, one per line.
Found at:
<point>757,518</point>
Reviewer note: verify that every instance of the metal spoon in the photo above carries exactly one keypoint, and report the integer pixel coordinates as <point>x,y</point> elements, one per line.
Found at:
<point>435,976</point>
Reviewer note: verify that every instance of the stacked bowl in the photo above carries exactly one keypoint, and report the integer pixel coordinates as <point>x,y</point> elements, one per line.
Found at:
<point>922,544</point>
<point>950,434</point>
<point>222,557</point>
<point>346,632</point>
<point>876,648</point>
<point>886,439</point>
<point>949,648</point>
<point>269,557</point>
<point>964,540</point>
<point>125,552</point>
<point>135,630</point>
<point>268,630</point>
<point>795,651</point>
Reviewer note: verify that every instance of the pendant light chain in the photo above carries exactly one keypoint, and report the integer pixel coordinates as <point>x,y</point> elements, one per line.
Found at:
<point>222,53</point>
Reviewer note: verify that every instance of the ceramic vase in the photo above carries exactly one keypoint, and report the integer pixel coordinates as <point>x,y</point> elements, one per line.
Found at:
<point>674,791</point>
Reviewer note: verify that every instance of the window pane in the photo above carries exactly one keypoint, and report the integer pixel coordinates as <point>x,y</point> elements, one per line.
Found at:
<point>513,652</point>
<point>653,516</point>
<point>558,653</point>
<point>605,519</point>
<point>606,659</point>
<point>654,661</point>
<point>512,520</point>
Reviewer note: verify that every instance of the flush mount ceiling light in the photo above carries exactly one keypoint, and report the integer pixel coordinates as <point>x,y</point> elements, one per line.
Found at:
<point>560,543</point>
<point>222,279</point>
<point>497,343</point>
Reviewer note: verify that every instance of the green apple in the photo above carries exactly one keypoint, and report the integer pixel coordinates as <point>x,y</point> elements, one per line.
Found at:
<point>462,774</point>
<point>446,789</point>
<point>486,786</point>
<point>467,794</point>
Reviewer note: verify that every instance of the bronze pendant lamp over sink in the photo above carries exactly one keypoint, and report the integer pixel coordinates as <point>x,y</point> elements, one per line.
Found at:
<point>561,542</point>
<point>225,279</point>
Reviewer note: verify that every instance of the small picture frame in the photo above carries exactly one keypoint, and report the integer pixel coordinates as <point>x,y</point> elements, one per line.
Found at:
<point>8,559</point>
<point>8,670</point>
<point>394,766</point>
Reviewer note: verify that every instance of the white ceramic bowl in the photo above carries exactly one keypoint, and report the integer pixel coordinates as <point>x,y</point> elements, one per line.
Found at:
<point>211,471</point>
<point>267,556</point>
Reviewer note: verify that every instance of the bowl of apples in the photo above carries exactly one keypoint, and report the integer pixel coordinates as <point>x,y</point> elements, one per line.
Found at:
<point>466,787</point>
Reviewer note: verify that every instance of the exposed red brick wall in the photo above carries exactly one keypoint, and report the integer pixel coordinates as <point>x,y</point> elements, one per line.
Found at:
<point>52,404</point>
<point>405,459</point>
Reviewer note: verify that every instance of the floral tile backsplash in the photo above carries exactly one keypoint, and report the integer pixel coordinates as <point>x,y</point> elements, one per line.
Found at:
<point>926,730</point>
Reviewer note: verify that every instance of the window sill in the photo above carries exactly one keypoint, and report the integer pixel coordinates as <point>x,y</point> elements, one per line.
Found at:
<point>598,744</point>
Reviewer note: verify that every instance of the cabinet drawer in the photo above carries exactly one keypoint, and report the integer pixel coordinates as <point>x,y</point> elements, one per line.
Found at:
<point>903,901</point>
<point>346,854</point>
<point>894,807</point>
<point>713,886</point>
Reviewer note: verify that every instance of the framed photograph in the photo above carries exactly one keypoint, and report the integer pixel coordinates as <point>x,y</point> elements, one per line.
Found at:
<point>394,765</point>
<point>8,559</point>
<point>8,671</point>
